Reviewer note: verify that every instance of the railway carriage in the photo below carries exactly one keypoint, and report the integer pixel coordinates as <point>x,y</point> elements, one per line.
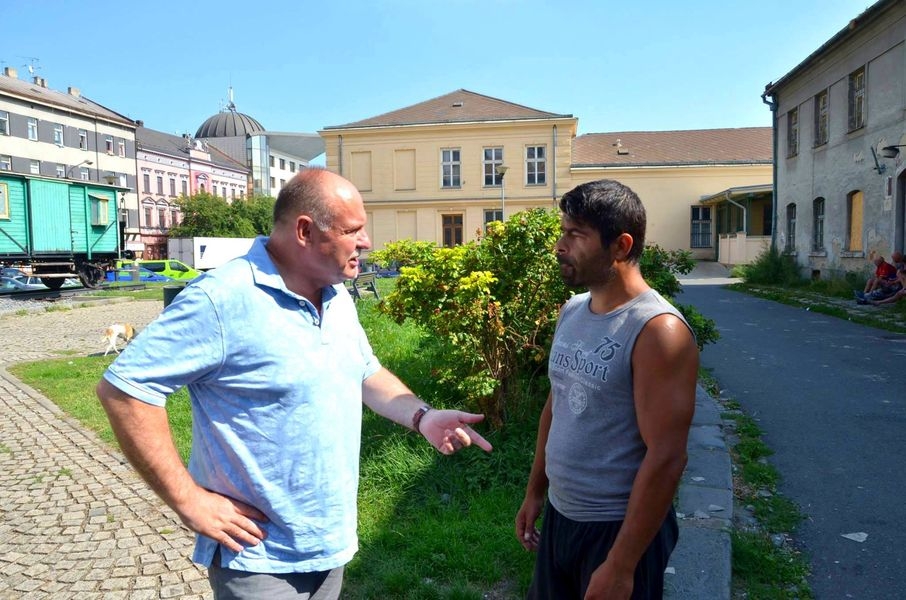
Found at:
<point>61,228</point>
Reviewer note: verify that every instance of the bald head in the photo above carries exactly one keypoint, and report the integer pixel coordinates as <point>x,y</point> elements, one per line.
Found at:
<point>313,192</point>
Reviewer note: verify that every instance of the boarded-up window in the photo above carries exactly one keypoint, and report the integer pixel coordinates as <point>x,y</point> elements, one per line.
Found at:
<point>854,218</point>
<point>360,170</point>
<point>404,169</point>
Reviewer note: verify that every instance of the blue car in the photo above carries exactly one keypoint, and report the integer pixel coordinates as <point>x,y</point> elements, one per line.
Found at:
<point>144,275</point>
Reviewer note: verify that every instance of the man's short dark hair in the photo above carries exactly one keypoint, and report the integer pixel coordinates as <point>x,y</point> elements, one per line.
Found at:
<point>611,208</point>
<point>304,195</point>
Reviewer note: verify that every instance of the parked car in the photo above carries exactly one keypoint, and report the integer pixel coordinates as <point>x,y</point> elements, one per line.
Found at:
<point>12,284</point>
<point>12,272</point>
<point>144,275</point>
<point>168,267</point>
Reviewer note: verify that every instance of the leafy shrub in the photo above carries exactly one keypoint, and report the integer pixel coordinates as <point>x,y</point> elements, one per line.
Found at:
<point>772,267</point>
<point>494,303</point>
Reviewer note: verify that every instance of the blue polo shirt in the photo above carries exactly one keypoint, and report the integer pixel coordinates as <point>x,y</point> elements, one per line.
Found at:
<point>276,395</point>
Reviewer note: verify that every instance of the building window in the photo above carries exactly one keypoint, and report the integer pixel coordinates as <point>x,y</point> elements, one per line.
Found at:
<point>854,218</point>
<point>213,189</point>
<point>4,122</point>
<point>6,162</point>
<point>271,159</point>
<point>818,233</point>
<point>32,129</point>
<point>160,185</point>
<point>701,227</point>
<point>4,201</point>
<point>233,193</point>
<point>450,168</point>
<point>148,216</point>
<point>535,166</point>
<point>58,134</point>
<point>161,218</point>
<point>282,164</point>
<point>61,170</point>
<point>172,186</point>
<point>491,159</point>
<point>174,217</point>
<point>84,173</point>
<point>146,183</point>
<point>34,167</point>
<point>292,166</point>
<point>282,183</point>
<point>121,147</point>
<point>491,215</point>
<point>108,145</point>
<point>857,99</point>
<point>99,208</point>
<point>83,139</point>
<point>452,230</point>
<point>790,228</point>
<point>273,183</point>
<point>185,187</point>
<point>821,119</point>
<point>792,132</point>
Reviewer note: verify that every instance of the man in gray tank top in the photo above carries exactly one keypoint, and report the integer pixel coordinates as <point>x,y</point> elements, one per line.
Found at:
<point>612,436</point>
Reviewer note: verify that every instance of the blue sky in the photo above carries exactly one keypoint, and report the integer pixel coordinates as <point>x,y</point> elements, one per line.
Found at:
<point>300,66</point>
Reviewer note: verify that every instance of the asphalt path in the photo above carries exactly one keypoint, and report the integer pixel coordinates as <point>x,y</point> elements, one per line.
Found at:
<point>830,398</point>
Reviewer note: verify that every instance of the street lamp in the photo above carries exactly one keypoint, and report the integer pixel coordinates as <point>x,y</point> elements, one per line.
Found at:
<point>84,162</point>
<point>501,170</point>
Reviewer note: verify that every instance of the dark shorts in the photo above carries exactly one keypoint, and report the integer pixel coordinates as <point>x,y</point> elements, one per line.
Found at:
<point>570,551</point>
<point>229,584</point>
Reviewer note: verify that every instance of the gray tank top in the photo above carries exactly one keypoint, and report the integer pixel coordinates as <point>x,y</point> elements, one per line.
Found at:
<point>594,449</point>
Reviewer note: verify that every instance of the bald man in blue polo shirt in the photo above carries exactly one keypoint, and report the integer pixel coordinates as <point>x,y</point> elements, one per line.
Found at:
<point>277,367</point>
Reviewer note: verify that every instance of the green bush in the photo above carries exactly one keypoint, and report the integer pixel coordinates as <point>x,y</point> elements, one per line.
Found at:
<point>493,304</point>
<point>772,268</point>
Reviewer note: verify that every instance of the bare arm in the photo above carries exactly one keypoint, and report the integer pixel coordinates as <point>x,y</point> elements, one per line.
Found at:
<point>446,430</point>
<point>144,436</point>
<point>665,367</point>
<point>532,504</point>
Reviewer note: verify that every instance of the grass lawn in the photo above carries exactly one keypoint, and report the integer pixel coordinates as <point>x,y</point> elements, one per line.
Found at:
<point>430,526</point>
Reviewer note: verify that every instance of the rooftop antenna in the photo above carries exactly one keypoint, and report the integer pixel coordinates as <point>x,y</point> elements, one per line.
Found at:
<point>31,66</point>
<point>231,105</point>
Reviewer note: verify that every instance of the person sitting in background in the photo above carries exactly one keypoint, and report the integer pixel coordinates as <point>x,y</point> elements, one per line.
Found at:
<point>884,277</point>
<point>898,260</point>
<point>897,295</point>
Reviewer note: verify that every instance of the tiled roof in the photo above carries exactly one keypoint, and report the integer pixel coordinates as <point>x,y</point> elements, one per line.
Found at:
<point>175,145</point>
<point>461,106</point>
<point>44,95</point>
<point>693,147</point>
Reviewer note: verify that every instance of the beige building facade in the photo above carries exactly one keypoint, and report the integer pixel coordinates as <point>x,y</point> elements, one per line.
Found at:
<point>440,170</point>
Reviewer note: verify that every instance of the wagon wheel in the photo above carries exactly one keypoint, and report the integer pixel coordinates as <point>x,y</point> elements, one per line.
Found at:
<point>53,283</point>
<point>90,275</point>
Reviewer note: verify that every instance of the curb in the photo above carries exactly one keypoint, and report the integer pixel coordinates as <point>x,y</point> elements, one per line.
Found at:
<point>700,567</point>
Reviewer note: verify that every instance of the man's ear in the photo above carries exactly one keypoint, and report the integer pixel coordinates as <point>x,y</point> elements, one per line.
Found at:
<point>304,227</point>
<point>622,246</point>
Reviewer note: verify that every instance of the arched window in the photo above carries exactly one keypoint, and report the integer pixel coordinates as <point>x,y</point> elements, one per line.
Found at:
<point>791,227</point>
<point>818,225</point>
<point>854,221</point>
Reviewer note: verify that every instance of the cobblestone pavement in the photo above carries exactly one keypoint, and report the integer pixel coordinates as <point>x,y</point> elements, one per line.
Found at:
<point>75,519</point>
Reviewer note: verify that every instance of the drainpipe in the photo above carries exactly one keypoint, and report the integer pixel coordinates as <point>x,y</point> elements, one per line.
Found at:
<point>554,168</point>
<point>772,104</point>
<point>745,213</point>
<point>340,156</point>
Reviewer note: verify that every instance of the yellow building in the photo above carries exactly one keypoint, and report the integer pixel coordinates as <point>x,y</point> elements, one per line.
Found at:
<point>441,169</point>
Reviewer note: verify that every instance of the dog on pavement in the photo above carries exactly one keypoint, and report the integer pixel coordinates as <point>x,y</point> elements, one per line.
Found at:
<point>116,331</point>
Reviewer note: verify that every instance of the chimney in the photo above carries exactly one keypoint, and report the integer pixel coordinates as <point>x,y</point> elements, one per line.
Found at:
<point>75,92</point>
<point>11,72</point>
<point>40,81</point>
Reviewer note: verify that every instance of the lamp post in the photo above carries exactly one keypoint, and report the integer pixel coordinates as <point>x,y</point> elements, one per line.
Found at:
<point>501,170</point>
<point>84,162</point>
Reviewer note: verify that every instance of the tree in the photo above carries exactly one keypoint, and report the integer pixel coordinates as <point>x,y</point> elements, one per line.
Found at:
<point>205,215</point>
